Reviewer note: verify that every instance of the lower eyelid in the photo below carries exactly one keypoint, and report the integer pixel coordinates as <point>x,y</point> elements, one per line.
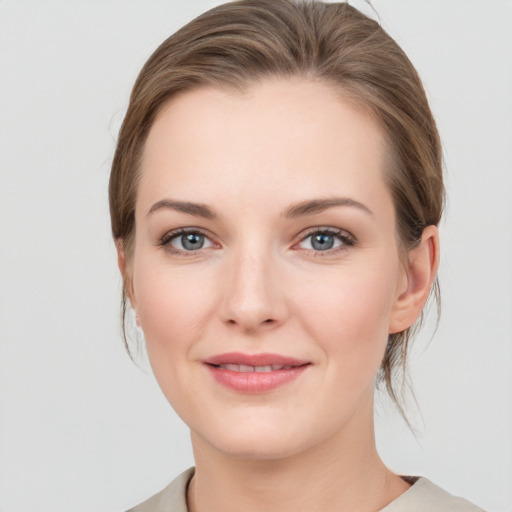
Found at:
<point>166,242</point>
<point>344,240</point>
<point>342,236</point>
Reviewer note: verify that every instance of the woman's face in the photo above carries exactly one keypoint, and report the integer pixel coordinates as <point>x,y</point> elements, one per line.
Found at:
<point>266,273</point>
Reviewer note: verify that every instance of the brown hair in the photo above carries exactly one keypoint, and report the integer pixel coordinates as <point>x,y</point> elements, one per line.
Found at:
<point>240,42</point>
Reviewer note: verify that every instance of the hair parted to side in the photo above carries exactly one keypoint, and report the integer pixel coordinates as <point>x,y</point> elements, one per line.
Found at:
<point>238,43</point>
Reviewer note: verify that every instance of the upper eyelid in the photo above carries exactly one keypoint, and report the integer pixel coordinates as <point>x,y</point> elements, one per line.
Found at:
<point>346,243</point>
<point>173,233</point>
<point>342,233</point>
<point>326,229</point>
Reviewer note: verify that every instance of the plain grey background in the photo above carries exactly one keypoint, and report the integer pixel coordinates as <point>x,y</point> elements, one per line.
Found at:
<point>84,429</point>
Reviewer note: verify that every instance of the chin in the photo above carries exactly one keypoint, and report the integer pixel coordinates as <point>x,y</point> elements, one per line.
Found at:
<point>258,440</point>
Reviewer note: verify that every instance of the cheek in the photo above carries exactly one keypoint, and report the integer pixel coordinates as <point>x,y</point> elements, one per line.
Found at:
<point>172,305</point>
<point>349,314</point>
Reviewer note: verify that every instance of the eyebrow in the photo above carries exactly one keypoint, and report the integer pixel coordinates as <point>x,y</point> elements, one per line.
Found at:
<point>196,209</point>
<point>302,209</point>
<point>313,206</point>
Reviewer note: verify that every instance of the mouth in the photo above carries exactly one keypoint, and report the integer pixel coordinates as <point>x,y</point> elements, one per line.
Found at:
<point>254,374</point>
<point>244,368</point>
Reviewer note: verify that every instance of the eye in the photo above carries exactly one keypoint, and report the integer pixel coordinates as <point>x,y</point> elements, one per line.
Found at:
<point>182,240</point>
<point>327,239</point>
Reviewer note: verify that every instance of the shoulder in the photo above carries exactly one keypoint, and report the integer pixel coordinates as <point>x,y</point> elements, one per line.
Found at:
<point>171,498</point>
<point>425,496</point>
<point>422,496</point>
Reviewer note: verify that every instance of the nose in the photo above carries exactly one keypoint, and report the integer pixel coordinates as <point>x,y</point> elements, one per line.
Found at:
<point>253,298</point>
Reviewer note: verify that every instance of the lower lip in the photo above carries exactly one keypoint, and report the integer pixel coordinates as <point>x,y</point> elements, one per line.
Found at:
<point>255,382</point>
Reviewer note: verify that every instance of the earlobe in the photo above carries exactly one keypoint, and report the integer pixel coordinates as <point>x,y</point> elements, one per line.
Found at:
<point>123,265</point>
<point>121,260</point>
<point>420,272</point>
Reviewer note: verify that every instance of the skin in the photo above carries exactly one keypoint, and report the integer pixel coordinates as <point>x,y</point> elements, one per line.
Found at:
<point>259,286</point>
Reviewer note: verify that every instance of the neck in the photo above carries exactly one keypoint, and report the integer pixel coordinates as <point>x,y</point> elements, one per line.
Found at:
<point>342,473</point>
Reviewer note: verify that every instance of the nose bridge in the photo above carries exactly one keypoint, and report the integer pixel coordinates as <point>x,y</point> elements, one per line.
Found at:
<point>252,295</point>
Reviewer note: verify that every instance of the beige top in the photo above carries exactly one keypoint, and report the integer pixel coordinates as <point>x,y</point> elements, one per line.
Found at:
<point>422,496</point>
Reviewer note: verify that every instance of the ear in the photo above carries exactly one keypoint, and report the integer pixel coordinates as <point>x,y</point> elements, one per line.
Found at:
<point>420,271</point>
<point>124,268</point>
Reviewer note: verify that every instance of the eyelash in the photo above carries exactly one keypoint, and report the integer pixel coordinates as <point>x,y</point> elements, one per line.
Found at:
<point>166,240</point>
<point>346,239</point>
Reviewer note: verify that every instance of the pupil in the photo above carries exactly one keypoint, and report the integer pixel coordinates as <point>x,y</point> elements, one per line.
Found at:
<point>322,242</point>
<point>192,241</point>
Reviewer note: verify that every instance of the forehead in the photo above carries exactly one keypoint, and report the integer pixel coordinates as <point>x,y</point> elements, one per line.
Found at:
<point>297,136</point>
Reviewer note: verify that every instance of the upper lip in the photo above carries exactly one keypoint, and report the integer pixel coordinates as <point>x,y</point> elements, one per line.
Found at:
<point>254,359</point>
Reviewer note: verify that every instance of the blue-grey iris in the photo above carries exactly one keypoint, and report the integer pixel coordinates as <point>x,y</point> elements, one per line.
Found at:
<point>192,241</point>
<point>322,242</point>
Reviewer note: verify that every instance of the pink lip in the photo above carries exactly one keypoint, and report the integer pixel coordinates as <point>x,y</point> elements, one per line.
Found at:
<point>254,359</point>
<point>255,382</point>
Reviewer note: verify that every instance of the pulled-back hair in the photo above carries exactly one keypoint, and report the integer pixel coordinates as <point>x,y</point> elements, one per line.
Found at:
<point>238,43</point>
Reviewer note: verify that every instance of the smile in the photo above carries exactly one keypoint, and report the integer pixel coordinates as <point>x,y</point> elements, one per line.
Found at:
<point>244,368</point>
<point>254,374</point>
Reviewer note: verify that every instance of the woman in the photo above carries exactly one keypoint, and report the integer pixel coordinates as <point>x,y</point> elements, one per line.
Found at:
<point>275,196</point>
